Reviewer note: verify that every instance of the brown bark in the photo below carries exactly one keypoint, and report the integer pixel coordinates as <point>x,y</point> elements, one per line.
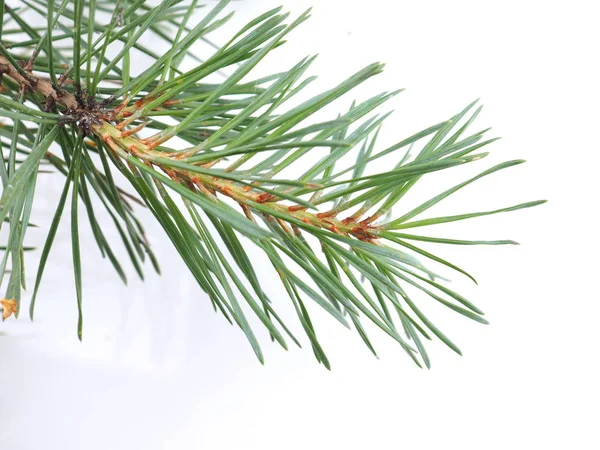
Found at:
<point>39,85</point>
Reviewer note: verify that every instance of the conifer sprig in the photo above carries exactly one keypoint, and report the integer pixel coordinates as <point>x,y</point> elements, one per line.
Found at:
<point>219,166</point>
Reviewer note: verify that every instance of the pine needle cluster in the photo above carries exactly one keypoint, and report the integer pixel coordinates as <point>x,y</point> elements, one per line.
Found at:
<point>212,162</point>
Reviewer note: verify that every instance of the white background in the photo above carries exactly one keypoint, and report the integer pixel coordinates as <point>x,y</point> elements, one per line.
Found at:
<point>159,370</point>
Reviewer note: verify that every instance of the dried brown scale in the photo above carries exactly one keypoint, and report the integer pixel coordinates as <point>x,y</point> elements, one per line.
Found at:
<point>9,307</point>
<point>50,104</point>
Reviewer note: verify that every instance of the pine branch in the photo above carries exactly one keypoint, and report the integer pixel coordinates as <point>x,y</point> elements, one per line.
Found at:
<point>225,189</point>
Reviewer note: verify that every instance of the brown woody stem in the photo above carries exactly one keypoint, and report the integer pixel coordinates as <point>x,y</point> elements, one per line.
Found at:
<point>39,85</point>
<point>124,143</point>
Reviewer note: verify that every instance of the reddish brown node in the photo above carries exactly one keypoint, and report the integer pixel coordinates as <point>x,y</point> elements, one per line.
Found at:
<point>295,208</point>
<point>127,133</point>
<point>264,197</point>
<point>133,149</point>
<point>110,142</point>
<point>227,191</point>
<point>332,227</point>
<point>117,109</point>
<point>363,235</point>
<point>150,144</point>
<point>324,215</point>
<point>369,220</point>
